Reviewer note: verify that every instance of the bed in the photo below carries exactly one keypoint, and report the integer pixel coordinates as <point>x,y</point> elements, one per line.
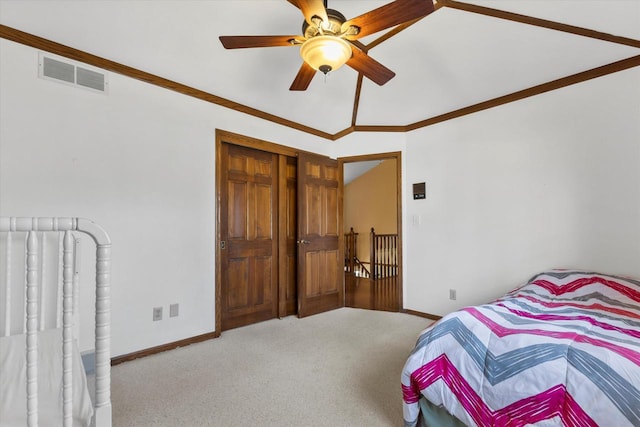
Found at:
<point>43,378</point>
<point>561,350</point>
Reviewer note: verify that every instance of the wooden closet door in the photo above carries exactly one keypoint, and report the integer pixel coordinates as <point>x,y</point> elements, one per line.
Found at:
<point>249,244</point>
<point>320,257</point>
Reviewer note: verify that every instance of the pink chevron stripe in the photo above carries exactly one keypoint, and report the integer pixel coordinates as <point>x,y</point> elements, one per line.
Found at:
<point>594,306</point>
<point>553,317</point>
<point>442,368</point>
<point>556,401</point>
<point>551,403</point>
<point>410,393</point>
<point>585,281</point>
<point>503,331</point>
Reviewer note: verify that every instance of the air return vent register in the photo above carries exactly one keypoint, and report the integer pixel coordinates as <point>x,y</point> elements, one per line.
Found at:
<point>67,72</point>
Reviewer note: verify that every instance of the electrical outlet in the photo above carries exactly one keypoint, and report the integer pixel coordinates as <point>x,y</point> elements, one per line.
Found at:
<point>452,294</point>
<point>157,313</point>
<point>174,310</point>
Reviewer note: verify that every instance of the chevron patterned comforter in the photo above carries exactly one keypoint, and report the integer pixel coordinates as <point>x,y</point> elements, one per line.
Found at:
<point>562,350</point>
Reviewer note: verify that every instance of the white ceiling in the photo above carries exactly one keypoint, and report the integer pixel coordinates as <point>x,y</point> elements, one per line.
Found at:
<point>449,60</point>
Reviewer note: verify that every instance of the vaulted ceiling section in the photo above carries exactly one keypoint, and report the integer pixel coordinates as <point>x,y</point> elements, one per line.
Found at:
<point>463,58</point>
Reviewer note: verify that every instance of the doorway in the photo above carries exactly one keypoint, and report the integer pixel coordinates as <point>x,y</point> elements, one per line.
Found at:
<point>373,231</point>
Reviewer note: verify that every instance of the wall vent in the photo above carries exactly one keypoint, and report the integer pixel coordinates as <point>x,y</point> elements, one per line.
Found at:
<point>67,72</point>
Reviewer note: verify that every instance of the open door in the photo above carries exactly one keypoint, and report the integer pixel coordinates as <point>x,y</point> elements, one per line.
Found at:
<point>320,258</point>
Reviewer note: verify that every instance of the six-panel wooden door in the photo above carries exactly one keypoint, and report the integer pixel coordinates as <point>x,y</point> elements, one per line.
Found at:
<point>320,258</point>
<point>249,245</point>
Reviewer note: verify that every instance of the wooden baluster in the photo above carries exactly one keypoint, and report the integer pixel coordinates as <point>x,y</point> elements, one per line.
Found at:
<point>346,252</point>
<point>386,256</point>
<point>372,253</point>
<point>381,275</point>
<point>352,250</point>
<point>373,265</point>
<point>355,250</point>
<point>393,254</point>
<point>390,268</point>
<point>381,255</point>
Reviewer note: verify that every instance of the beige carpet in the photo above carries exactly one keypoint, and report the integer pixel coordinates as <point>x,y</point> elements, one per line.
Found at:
<point>340,368</point>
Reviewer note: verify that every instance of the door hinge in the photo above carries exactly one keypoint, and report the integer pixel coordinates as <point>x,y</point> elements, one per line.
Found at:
<point>223,244</point>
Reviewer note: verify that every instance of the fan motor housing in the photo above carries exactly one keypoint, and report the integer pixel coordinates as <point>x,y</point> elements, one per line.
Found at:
<point>333,27</point>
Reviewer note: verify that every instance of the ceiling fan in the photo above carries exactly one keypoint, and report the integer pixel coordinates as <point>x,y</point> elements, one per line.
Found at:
<point>327,36</point>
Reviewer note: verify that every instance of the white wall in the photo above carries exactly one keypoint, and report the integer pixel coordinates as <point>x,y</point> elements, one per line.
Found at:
<point>550,181</point>
<point>140,161</point>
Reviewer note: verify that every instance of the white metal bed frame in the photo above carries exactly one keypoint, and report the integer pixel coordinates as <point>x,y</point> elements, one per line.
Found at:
<point>65,226</point>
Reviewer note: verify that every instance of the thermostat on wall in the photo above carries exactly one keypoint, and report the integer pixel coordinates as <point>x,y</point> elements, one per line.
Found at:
<point>419,191</point>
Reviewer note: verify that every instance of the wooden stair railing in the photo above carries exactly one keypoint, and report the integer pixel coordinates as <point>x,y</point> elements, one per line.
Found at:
<point>350,245</point>
<point>384,255</point>
<point>377,287</point>
<point>353,264</point>
<point>360,270</point>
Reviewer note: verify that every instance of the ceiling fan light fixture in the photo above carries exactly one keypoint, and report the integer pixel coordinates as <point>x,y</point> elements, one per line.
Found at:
<point>325,53</point>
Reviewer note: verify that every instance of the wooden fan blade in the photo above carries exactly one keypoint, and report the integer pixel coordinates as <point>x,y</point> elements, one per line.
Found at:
<point>311,8</point>
<point>389,15</point>
<point>369,67</point>
<point>240,42</point>
<point>303,78</point>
